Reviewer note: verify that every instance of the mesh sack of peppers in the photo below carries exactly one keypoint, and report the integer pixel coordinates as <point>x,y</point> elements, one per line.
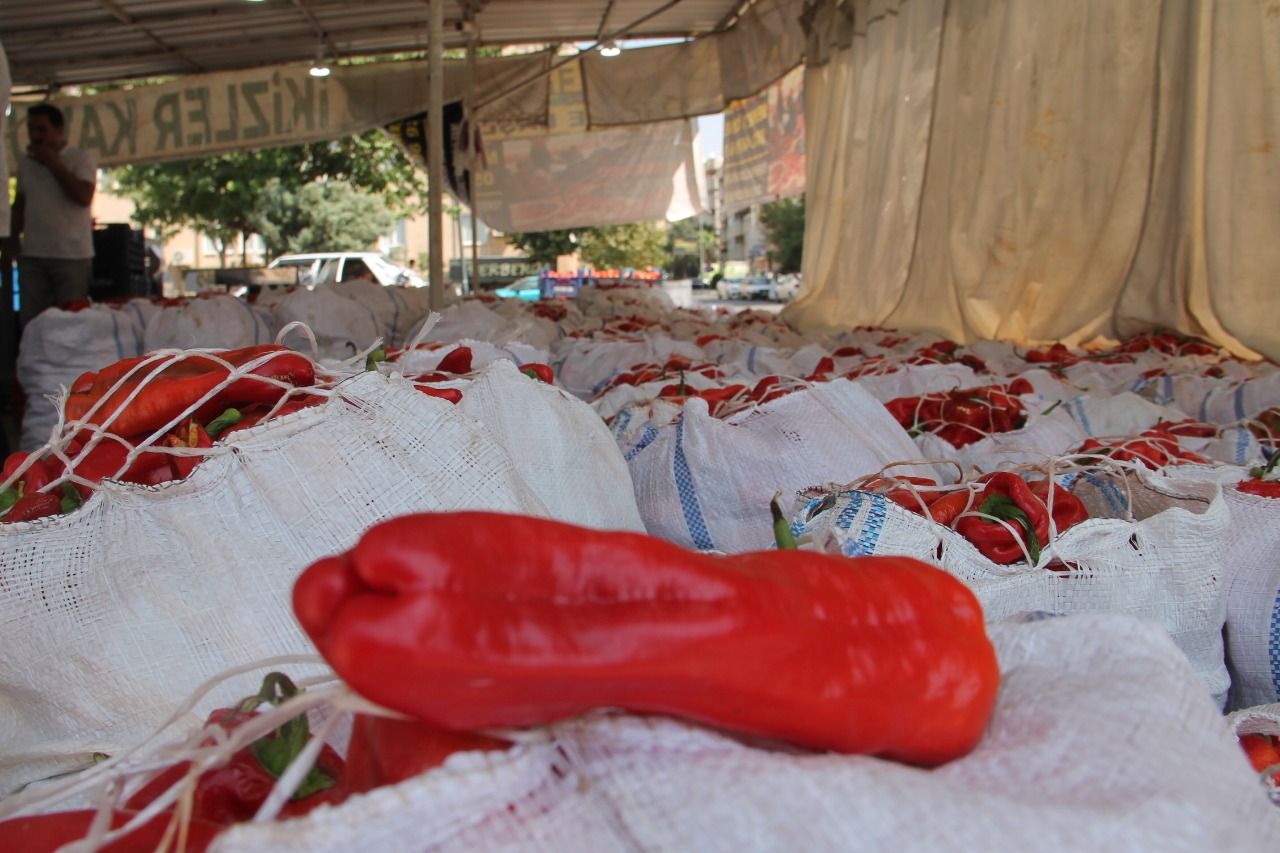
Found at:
<point>1023,544</point>
<point>966,415</point>
<point>454,634</point>
<point>150,420</point>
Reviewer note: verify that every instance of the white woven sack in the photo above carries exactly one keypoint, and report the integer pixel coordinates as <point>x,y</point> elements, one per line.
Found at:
<point>56,347</point>
<point>584,367</point>
<point>342,327</point>
<point>1101,740</point>
<point>750,359</point>
<point>620,397</point>
<point>113,613</point>
<point>482,355</point>
<point>1045,384</point>
<point>560,447</point>
<point>911,380</point>
<point>1043,436</point>
<point>470,319</point>
<point>706,483</point>
<point>1252,570</point>
<point>211,322</point>
<point>141,311</point>
<point>1166,566</point>
<point>1229,403</point>
<point>1118,414</point>
<point>388,306</point>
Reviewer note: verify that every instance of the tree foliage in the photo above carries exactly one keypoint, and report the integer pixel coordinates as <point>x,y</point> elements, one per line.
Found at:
<point>784,225</point>
<point>241,193</point>
<point>325,216</point>
<point>637,245</point>
<point>543,247</point>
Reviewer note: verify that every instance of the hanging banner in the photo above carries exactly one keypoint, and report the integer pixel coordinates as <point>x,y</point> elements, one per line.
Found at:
<point>208,114</point>
<point>764,145</point>
<point>565,176</point>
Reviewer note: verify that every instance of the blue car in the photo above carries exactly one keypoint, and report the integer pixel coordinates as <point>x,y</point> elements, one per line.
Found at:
<point>528,288</point>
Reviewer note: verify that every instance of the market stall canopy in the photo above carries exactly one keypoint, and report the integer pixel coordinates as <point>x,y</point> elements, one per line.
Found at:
<point>62,42</point>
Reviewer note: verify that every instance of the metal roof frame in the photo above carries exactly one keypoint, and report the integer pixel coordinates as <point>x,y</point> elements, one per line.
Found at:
<point>56,43</point>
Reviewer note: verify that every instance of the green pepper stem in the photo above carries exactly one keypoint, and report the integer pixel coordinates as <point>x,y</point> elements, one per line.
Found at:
<point>781,530</point>
<point>222,422</point>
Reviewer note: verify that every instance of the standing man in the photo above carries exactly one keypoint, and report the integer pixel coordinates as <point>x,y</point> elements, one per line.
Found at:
<point>55,189</point>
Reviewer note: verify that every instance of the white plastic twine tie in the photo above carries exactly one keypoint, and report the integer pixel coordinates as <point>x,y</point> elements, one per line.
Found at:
<point>425,329</point>
<point>298,325</point>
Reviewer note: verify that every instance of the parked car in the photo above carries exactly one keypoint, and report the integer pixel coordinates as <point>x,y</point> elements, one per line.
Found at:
<point>528,288</point>
<point>333,267</point>
<point>753,287</point>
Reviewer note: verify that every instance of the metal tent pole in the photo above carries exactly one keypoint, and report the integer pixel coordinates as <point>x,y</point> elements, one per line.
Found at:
<point>435,154</point>
<point>473,131</point>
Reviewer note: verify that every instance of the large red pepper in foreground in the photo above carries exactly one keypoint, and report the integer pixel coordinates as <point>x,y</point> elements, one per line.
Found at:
<point>476,620</point>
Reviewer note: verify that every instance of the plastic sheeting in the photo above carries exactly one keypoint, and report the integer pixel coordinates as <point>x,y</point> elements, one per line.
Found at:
<point>1009,169</point>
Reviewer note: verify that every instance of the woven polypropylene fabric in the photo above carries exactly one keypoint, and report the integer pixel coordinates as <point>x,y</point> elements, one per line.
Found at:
<point>1102,740</point>
<point>216,321</point>
<point>342,327</point>
<point>559,446</point>
<point>706,483</point>
<point>114,613</point>
<point>1166,566</point>
<point>58,346</point>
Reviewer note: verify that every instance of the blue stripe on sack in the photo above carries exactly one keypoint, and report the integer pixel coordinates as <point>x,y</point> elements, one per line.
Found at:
<point>650,433</point>
<point>620,423</point>
<point>688,496</point>
<point>1168,389</point>
<point>1242,445</point>
<point>874,525</point>
<point>603,382</point>
<point>751,360</point>
<point>845,519</point>
<point>1138,383</point>
<point>1274,646</point>
<point>1204,407</point>
<point>115,333</point>
<point>1112,493</point>
<point>1240,402</point>
<point>1068,479</point>
<point>1078,402</point>
<point>514,357</point>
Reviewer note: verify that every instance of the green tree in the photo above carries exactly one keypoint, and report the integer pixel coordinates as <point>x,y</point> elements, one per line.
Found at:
<point>640,244</point>
<point>684,239</point>
<point>230,195</point>
<point>544,247</point>
<point>784,225</point>
<point>325,216</point>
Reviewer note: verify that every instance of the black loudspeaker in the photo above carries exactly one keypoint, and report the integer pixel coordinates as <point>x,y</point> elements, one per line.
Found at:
<point>119,264</point>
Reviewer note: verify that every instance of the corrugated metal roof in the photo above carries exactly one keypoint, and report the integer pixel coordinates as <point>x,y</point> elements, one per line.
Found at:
<point>61,42</point>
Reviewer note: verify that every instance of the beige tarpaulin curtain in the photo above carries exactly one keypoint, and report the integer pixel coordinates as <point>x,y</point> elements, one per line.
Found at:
<point>1035,171</point>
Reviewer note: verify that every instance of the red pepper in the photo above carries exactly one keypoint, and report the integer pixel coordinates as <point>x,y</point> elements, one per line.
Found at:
<point>387,751</point>
<point>541,372</point>
<point>32,506</point>
<point>46,833</point>
<point>40,474</point>
<point>1263,752</point>
<point>903,410</point>
<point>762,388</point>
<point>256,414</point>
<point>1007,496</point>
<point>845,352</point>
<point>453,395</point>
<point>457,361</point>
<point>917,501</point>
<point>1068,510</point>
<point>436,616</point>
<point>234,792</point>
<point>170,390</point>
<point>947,508</point>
